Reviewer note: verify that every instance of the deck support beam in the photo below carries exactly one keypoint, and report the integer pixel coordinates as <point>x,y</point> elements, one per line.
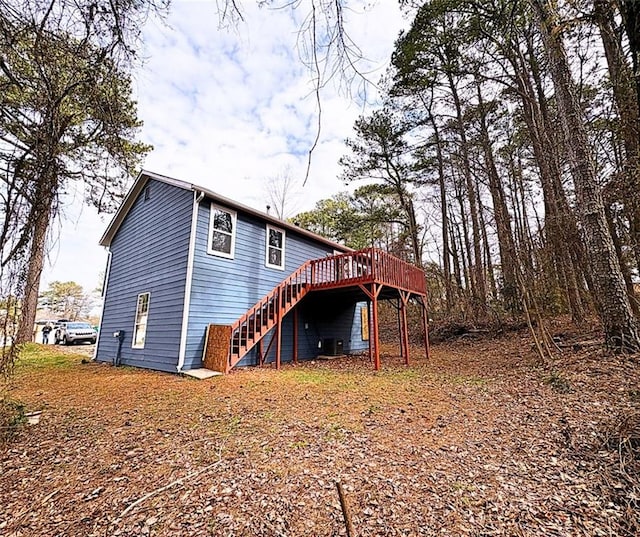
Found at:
<point>373,295</point>
<point>295,335</point>
<point>264,356</point>
<point>369,330</point>
<point>398,308</point>
<point>376,339</point>
<point>425,324</point>
<point>278,334</point>
<point>404,328</point>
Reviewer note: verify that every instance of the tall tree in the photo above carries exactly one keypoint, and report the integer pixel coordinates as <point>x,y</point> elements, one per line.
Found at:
<point>281,193</point>
<point>430,54</point>
<point>630,10</point>
<point>67,300</point>
<point>508,259</point>
<point>66,118</point>
<point>332,218</point>
<point>380,154</point>
<point>625,96</point>
<point>359,220</point>
<point>620,326</point>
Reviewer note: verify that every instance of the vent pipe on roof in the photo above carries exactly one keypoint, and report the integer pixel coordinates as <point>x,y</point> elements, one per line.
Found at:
<point>268,208</point>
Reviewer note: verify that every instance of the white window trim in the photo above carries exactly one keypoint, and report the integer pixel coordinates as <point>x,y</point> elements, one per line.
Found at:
<point>234,221</point>
<point>266,250</point>
<point>135,322</point>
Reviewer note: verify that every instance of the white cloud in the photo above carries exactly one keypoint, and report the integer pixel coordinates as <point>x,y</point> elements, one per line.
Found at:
<point>227,109</point>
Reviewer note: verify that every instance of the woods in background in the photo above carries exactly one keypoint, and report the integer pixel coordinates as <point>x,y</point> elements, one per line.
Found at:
<point>506,161</point>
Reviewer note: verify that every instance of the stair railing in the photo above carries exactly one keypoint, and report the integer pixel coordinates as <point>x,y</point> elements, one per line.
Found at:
<point>254,324</point>
<point>352,268</point>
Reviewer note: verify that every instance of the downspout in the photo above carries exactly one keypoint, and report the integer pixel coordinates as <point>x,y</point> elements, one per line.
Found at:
<point>187,288</point>
<point>104,299</point>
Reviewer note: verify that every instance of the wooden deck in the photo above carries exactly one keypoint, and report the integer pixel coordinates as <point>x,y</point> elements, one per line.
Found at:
<point>367,266</point>
<point>371,273</point>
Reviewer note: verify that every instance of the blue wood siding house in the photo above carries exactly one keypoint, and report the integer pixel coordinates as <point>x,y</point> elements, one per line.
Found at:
<point>182,258</point>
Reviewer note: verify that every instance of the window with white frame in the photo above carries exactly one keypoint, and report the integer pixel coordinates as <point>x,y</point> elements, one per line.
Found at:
<point>142,315</point>
<point>222,232</point>
<point>275,248</point>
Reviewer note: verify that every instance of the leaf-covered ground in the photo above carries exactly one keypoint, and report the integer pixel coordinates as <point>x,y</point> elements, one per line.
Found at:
<point>481,440</point>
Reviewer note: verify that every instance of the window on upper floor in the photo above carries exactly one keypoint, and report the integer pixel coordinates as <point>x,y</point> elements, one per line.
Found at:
<point>275,248</point>
<point>142,315</point>
<point>222,232</point>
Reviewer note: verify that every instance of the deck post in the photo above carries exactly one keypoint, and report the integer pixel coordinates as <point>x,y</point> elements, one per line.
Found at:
<point>278,343</point>
<point>400,325</point>
<point>375,290</point>
<point>278,334</point>
<point>373,334</point>
<point>404,298</point>
<point>295,335</point>
<point>425,322</point>
<point>369,328</point>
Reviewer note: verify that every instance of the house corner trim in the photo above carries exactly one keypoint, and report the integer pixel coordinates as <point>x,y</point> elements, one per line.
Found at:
<point>197,198</point>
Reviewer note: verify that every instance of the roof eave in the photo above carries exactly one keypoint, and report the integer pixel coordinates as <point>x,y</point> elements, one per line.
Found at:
<point>144,176</point>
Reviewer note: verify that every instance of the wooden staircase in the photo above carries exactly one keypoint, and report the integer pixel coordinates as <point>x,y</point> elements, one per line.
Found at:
<point>249,329</point>
<point>226,345</point>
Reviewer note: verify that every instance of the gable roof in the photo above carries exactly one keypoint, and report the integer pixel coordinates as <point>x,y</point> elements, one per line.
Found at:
<point>145,176</point>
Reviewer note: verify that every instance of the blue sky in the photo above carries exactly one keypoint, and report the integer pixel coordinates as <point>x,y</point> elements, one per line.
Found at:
<point>229,109</point>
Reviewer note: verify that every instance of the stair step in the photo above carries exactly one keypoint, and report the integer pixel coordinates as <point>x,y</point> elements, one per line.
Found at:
<point>260,321</point>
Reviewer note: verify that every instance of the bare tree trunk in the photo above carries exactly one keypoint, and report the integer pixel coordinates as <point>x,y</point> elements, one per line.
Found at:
<point>522,238</point>
<point>560,227</point>
<point>488,262</point>
<point>624,92</point>
<point>465,249</point>
<point>445,217</point>
<point>477,270</point>
<point>501,212</point>
<point>41,213</point>
<point>568,248</point>
<point>620,326</point>
<point>626,273</point>
<point>457,231</point>
<point>630,10</point>
<point>407,204</point>
<point>457,270</point>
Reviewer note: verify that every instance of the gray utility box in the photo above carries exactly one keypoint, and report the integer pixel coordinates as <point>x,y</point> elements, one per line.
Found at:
<point>332,346</point>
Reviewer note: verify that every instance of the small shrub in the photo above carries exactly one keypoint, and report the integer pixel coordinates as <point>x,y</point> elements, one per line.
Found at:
<point>12,416</point>
<point>558,383</point>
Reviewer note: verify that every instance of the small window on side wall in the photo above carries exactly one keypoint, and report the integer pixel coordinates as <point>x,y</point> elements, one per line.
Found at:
<point>142,315</point>
<point>275,248</point>
<point>222,232</point>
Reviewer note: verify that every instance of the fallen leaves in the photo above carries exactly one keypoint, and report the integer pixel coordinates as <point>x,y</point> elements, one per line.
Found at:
<point>476,442</point>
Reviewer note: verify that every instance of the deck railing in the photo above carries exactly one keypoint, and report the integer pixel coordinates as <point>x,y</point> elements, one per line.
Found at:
<point>364,266</point>
<point>262,317</point>
<point>370,265</point>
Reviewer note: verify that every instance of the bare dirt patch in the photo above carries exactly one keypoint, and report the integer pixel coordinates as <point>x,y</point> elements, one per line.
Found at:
<point>482,440</point>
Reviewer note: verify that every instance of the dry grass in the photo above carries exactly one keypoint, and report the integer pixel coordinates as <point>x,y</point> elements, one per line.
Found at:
<point>475,442</point>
